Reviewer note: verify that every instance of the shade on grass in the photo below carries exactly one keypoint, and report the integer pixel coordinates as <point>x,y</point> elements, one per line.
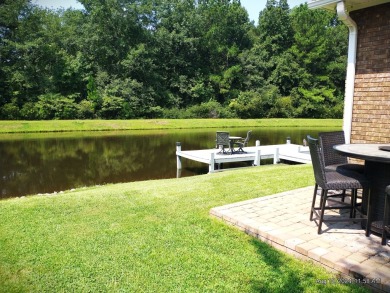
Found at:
<point>151,236</point>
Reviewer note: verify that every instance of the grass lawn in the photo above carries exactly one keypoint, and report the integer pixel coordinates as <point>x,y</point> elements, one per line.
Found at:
<point>101,125</point>
<point>151,236</point>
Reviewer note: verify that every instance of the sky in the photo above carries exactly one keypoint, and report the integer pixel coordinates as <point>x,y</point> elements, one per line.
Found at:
<point>252,6</point>
<point>255,6</point>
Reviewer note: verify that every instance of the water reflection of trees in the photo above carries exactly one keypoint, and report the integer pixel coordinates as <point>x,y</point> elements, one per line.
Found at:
<point>47,165</point>
<point>44,165</point>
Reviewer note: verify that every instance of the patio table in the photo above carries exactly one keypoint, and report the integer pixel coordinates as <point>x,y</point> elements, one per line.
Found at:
<point>376,169</point>
<point>232,140</point>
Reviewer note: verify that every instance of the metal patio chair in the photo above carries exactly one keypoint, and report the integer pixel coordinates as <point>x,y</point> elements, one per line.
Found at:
<point>222,141</point>
<point>243,143</point>
<point>333,180</point>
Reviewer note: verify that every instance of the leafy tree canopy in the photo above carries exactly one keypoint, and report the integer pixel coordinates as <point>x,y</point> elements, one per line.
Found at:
<point>169,58</point>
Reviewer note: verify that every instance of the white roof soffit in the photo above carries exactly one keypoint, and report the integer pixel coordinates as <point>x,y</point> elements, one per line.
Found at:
<point>351,5</point>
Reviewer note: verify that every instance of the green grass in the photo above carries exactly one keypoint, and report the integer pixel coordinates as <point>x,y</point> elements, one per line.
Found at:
<point>103,125</point>
<point>151,236</point>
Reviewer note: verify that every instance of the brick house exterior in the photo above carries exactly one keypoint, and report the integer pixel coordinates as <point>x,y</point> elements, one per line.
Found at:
<point>367,96</point>
<point>371,108</point>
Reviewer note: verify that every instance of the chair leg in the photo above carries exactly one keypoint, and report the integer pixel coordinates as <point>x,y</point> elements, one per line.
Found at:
<point>321,198</point>
<point>354,198</point>
<point>369,214</point>
<point>353,203</point>
<point>324,195</point>
<point>313,202</point>
<point>385,223</point>
<point>343,198</point>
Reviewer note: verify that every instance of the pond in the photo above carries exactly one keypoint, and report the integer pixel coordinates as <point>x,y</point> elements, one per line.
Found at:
<point>47,163</point>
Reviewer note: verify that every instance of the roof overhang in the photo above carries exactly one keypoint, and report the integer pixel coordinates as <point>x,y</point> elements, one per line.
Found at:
<point>350,5</point>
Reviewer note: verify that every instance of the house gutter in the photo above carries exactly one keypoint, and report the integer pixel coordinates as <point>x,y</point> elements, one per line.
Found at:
<point>350,78</point>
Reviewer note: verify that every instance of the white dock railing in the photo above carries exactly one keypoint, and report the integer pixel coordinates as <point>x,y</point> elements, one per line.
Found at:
<point>212,157</point>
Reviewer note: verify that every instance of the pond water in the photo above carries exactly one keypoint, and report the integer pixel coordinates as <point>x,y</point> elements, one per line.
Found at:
<point>46,163</point>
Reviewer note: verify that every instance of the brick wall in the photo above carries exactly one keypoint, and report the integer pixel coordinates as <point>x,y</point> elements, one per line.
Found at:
<point>371,110</point>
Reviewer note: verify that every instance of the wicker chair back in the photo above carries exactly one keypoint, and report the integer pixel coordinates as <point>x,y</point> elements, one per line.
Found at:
<point>327,141</point>
<point>317,161</point>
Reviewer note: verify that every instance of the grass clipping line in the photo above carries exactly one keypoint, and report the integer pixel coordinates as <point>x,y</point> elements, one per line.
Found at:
<point>151,236</point>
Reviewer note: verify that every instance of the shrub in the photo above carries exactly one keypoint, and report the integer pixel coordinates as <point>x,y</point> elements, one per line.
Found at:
<point>29,111</point>
<point>86,110</point>
<point>283,108</point>
<point>211,109</point>
<point>247,105</point>
<point>173,113</point>
<point>55,106</point>
<point>10,111</point>
<point>154,112</point>
<point>255,104</point>
<point>112,107</point>
<point>66,108</point>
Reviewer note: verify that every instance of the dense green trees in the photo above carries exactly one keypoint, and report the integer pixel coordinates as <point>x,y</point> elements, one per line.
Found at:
<point>178,58</point>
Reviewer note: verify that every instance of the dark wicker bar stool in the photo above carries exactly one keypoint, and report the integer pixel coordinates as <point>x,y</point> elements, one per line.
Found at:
<point>384,225</point>
<point>334,161</point>
<point>333,180</point>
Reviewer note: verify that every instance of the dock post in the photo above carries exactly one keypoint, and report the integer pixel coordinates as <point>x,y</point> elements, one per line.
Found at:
<point>212,163</point>
<point>258,142</point>
<point>257,158</point>
<point>276,156</point>
<point>178,158</point>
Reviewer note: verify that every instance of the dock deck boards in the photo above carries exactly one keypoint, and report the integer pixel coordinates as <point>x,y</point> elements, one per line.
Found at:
<point>289,152</point>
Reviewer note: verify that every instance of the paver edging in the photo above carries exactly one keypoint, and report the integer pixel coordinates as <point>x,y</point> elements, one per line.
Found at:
<point>343,260</point>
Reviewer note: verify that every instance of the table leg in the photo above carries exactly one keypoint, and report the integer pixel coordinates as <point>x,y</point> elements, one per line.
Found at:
<point>231,145</point>
<point>379,175</point>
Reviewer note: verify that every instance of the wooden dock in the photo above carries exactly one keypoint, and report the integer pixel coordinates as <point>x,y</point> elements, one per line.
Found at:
<point>212,157</point>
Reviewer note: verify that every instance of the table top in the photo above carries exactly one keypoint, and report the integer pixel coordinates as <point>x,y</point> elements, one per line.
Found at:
<point>364,151</point>
<point>235,137</point>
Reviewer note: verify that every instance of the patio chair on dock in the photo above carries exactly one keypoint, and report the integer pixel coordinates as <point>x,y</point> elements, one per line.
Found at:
<point>333,180</point>
<point>243,143</point>
<point>222,141</point>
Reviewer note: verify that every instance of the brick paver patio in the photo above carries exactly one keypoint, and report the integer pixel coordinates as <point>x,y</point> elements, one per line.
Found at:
<point>282,220</point>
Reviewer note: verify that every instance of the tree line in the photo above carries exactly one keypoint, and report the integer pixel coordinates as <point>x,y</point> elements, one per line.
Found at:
<point>126,59</point>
